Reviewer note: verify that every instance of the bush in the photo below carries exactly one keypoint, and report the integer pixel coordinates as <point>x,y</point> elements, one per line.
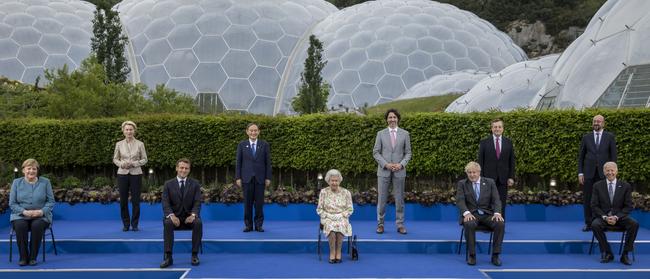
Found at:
<point>101,181</point>
<point>71,182</point>
<point>546,143</point>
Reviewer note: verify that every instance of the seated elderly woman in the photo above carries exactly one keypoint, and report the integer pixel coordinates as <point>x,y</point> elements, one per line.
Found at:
<point>334,209</point>
<point>31,201</point>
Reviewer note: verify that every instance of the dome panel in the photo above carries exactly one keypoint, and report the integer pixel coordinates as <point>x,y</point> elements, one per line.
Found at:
<point>11,68</point>
<point>32,56</point>
<point>443,84</point>
<point>261,77</point>
<point>408,41</point>
<point>229,40</point>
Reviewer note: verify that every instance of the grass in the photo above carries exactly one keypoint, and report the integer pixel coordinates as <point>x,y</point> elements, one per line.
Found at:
<point>426,104</point>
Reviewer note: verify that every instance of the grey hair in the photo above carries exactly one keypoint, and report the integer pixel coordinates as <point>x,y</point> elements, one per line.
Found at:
<point>333,172</point>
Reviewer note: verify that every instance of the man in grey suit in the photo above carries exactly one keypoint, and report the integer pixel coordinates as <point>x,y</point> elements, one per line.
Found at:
<point>477,199</point>
<point>392,151</point>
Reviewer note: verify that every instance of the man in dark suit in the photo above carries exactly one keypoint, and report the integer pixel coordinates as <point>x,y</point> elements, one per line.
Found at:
<point>181,201</point>
<point>253,170</point>
<point>477,198</point>
<point>496,156</point>
<point>611,203</point>
<point>596,148</point>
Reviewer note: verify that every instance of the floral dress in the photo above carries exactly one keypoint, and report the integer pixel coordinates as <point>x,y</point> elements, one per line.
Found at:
<point>334,209</point>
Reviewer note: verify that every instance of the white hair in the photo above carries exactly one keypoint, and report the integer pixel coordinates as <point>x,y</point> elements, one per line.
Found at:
<point>333,172</point>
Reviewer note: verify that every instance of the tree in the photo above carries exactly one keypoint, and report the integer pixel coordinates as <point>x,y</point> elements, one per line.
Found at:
<point>108,43</point>
<point>312,96</point>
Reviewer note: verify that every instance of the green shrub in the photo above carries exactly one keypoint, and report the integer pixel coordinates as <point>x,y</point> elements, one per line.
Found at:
<point>101,181</point>
<point>71,182</point>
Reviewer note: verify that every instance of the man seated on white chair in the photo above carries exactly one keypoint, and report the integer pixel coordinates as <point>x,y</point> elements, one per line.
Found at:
<point>611,204</point>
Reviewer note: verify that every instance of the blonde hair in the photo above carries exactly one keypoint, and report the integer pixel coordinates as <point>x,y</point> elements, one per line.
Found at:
<point>30,163</point>
<point>129,122</point>
<point>472,166</point>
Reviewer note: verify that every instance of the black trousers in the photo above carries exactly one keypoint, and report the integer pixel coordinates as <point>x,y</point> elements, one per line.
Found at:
<point>486,220</point>
<point>631,227</point>
<point>197,233</point>
<point>23,227</point>
<point>133,184</point>
<point>502,187</point>
<point>586,196</point>
<point>253,196</point>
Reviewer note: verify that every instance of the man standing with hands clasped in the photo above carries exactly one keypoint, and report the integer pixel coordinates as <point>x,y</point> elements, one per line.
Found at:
<point>392,151</point>
<point>596,148</point>
<point>253,171</point>
<point>181,201</point>
<point>496,156</point>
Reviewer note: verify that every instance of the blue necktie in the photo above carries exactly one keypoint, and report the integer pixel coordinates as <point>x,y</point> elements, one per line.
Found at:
<point>253,149</point>
<point>477,190</point>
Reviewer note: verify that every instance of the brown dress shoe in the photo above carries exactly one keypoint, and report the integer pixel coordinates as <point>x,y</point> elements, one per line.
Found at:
<point>401,230</point>
<point>380,229</point>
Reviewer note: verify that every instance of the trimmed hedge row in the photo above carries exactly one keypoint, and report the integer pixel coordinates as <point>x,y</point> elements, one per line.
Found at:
<point>546,143</point>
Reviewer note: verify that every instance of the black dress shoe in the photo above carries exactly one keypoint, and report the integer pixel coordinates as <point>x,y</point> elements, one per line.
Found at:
<point>135,229</point>
<point>471,260</point>
<point>607,257</point>
<point>166,262</point>
<point>259,229</point>
<point>248,229</point>
<point>625,259</point>
<point>495,260</point>
<point>195,260</point>
<point>22,262</point>
<point>339,261</point>
<point>32,262</point>
<point>124,229</point>
<point>332,261</point>
<point>586,228</point>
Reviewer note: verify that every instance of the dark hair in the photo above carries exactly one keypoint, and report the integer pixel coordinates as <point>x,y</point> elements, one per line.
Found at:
<point>393,111</point>
<point>183,160</point>
<point>496,120</point>
<point>251,124</point>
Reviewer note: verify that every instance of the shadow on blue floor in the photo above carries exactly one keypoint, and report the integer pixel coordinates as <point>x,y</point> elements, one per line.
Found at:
<point>94,274</point>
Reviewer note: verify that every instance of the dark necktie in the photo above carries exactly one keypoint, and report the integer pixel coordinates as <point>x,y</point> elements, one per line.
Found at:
<point>182,188</point>
<point>253,150</point>
<point>611,193</point>
<point>597,140</point>
<point>498,148</point>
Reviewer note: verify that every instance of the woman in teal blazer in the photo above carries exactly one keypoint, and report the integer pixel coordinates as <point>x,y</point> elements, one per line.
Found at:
<point>31,201</point>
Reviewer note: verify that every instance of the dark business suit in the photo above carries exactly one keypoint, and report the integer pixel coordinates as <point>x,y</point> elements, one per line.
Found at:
<point>591,159</point>
<point>182,204</point>
<point>620,207</point>
<point>499,169</point>
<point>253,170</point>
<point>488,202</point>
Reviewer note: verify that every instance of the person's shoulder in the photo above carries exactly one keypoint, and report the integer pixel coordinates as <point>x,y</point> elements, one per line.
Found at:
<point>403,130</point>
<point>18,180</point>
<point>462,181</point>
<point>488,180</point>
<point>43,179</point>
<point>193,181</point>
<point>170,181</point>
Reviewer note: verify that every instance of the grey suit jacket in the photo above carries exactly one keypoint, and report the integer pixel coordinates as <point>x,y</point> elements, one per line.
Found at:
<point>384,153</point>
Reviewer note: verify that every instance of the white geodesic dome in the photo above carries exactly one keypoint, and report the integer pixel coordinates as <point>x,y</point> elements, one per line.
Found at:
<point>43,34</point>
<point>378,49</point>
<point>511,88</point>
<point>236,49</point>
<point>608,65</point>
<point>452,83</point>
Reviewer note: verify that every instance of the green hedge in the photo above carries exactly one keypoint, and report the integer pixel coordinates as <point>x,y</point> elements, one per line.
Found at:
<point>546,143</point>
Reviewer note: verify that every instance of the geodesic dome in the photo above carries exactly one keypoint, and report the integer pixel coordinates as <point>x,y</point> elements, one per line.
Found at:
<point>608,65</point>
<point>40,34</point>
<point>378,49</point>
<point>511,88</point>
<point>236,49</point>
<point>456,83</point>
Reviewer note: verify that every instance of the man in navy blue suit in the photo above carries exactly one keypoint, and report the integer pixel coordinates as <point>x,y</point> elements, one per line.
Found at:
<point>496,155</point>
<point>597,148</point>
<point>253,171</point>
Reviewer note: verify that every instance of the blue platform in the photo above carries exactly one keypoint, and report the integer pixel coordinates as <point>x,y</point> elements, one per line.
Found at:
<point>538,239</point>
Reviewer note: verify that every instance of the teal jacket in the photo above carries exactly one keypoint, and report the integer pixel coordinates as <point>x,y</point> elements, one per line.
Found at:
<point>25,196</point>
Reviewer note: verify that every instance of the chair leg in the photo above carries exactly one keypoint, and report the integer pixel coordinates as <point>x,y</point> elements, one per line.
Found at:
<point>318,245</point>
<point>591,245</point>
<point>53,242</point>
<point>490,243</point>
<point>460,242</point>
<point>620,247</point>
<point>43,250</point>
<point>11,246</point>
